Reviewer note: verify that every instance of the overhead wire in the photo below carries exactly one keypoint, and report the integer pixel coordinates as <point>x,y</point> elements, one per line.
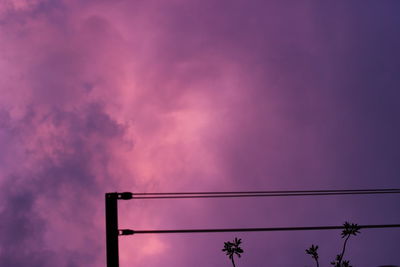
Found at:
<point>269,229</point>
<point>265,191</point>
<point>235,194</point>
<point>287,193</point>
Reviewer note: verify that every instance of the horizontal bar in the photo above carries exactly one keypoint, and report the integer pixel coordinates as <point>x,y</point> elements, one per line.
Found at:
<point>265,192</point>
<point>273,229</point>
<point>264,195</point>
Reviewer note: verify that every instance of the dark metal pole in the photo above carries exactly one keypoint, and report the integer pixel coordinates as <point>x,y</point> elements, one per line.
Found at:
<point>112,229</point>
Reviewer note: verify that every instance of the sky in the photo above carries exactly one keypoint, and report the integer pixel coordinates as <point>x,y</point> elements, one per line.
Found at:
<point>104,96</point>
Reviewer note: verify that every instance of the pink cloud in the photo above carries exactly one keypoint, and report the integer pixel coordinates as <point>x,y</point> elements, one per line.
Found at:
<point>100,96</point>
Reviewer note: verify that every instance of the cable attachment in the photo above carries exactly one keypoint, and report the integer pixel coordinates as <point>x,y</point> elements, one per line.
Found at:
<point>125,195</point>
<point>125,232</point>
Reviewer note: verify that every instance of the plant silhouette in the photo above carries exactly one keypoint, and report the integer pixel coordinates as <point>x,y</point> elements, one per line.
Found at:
<point>349,230</point>
<point>313,252</point>
<point>232,248</point>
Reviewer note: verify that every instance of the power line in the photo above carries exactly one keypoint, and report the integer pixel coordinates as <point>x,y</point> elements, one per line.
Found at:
<point>178,195</point>
<point>266,195</point>
<point>266,192</point>
<point>270,229</point>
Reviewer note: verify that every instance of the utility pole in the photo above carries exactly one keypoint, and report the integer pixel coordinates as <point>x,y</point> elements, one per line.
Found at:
<point>112,231</point>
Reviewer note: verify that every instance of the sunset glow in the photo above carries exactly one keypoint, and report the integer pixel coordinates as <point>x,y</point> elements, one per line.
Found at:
<point>104,96</point>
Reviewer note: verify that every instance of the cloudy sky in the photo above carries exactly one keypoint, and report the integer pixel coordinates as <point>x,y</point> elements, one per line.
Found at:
<point>196,95</point>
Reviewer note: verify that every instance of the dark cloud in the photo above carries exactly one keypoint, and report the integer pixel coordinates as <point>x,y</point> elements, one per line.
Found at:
<point>63,174</point>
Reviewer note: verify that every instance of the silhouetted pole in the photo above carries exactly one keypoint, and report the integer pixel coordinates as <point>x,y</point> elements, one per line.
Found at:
<point>112,229</point>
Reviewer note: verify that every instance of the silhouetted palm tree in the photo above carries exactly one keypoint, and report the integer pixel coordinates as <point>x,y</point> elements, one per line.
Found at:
<point>233,248</point>
<point>349,230</point>
<point>313,252</point>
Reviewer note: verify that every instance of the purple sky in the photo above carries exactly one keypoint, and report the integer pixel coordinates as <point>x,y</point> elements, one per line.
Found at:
<point>154,96</point>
